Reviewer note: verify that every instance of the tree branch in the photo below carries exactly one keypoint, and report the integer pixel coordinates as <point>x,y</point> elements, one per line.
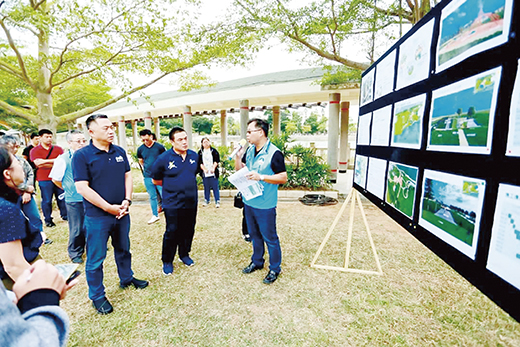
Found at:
<point>19,112</point>
<point>23,71</point>
<point>86,111</point>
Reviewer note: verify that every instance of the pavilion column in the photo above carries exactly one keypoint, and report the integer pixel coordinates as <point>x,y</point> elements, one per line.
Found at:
<point>135,135</point>
<point>244,118</point>
<point>157,126</point>
<point>223,128</point>
<point>344,149</point>
<point>277,125</point>
<point>333,135</point>
<point>148,120</point>
<point>187,121</point>
<point>121,131</point>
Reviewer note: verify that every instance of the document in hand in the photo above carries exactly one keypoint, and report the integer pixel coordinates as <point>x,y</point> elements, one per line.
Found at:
<point>249,188</point>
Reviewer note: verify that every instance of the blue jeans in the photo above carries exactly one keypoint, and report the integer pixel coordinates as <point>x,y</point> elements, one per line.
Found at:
<point>261,225</point>
<point>49,189</point>
<point>211,183</point>
<point>98,231</point>
<point>76,218</point>
<point>180,228</point>
<point>30,210</point>
<point>152,190</point>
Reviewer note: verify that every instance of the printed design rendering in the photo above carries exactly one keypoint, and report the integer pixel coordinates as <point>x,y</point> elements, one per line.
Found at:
<point>401,186</point>
<point>407,124</point>
<point>462,114</point>
<point>360,171</point>
<point>451,206</point>
<point>367,88</point>
<point>504,249</point>
<point>471,26</point>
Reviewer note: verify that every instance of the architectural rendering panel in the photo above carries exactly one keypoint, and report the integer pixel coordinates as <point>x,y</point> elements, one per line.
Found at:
<point>513,137</point>
<point>385,72</point>
<point>381,126</point>
<point>414,57</point>
<point>367,88</point>
<point>376,177</point>
<point>401,183</point>
<point>451,207</point>
<point>463,113</point>
<point>407,123</point>
<point>360,170</point>
<point>504,249</point>
<point>471,26</point>
<point>363,134</point>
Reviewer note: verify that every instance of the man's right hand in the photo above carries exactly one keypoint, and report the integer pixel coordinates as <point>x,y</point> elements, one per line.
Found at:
<point>41,275</point>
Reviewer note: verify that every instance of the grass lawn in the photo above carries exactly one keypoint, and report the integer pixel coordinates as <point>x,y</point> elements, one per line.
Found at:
<point>419,301</point>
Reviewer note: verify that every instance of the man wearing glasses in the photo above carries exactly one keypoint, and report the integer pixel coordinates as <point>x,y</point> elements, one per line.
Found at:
<point>102,175</point>
<point>266,165</point>
<point>61,175</point>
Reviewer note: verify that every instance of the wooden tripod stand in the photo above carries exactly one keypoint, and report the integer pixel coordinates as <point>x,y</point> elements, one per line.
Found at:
<point>352,197</point>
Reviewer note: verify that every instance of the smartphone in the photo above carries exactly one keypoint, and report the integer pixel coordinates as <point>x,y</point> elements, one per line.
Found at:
<point>68,271</point>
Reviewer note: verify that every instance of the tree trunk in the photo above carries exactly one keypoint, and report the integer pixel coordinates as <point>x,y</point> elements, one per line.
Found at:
<point>43,92</point>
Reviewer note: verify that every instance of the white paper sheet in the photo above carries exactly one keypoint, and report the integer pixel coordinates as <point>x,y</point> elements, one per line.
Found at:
<point>249,188</point>
<point>381,126</point>
<point>513,136</point>
<point>385,72</point>
<point>376,177</point>
<point>363,134</point>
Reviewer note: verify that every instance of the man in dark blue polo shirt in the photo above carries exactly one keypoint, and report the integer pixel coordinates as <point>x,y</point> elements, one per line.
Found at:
<point>102,175</point>
<point>175,170</point>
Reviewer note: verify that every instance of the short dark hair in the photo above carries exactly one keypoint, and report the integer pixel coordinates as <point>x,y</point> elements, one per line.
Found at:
<point>145,132</point>
<point>33,135</point>
<point>93,118</point>
<point>260,124</point>
<point>45,131</point>
<point>174,131</point>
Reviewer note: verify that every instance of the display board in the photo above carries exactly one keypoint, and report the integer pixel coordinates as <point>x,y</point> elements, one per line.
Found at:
<point>438,145</point>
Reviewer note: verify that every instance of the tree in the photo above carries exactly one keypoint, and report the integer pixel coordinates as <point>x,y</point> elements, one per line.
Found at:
<point>105,41</point>
<point>316,123</point>
<point>324,27</point>
<point>202,125</point>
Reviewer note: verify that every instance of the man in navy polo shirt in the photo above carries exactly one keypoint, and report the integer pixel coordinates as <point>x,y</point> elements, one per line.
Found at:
<point>175,170</point>
<point>102,174</point>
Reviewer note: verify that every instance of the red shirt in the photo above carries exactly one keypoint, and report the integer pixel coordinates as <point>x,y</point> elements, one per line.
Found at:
<point>38,152</point>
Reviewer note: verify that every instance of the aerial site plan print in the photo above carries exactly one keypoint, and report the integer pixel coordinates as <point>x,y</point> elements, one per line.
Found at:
<point>407,125</point>
<point>471,26</point>
<point>463,113</point>
<point>401,185</point>
<point>451,207</point>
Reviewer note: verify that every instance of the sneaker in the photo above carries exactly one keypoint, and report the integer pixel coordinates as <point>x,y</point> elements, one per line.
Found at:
<point>167,268</point>
<point>251,268</point>
<point>140,284</point>
<point>153,219</point>
<point>50,224</point>
<point>271,277</point>
<point>77,260</point>
<point>247,238</point>
<point>187,261</point>
<point>217,205</point>
<point>47,241</point>
<point>103,306</point>
<point>65,218</point>
<point>205,203</point>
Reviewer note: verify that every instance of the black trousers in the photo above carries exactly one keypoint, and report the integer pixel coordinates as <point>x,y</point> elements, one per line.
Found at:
<point>180,228</point>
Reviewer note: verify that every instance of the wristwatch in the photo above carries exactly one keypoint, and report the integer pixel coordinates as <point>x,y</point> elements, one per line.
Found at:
<point>129,201</point>
<point>262,177</point>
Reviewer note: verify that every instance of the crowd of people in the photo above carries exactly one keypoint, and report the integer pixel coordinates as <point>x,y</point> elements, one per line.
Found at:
<point>93,186</point>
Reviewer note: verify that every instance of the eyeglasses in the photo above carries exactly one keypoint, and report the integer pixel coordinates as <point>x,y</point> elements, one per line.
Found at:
<point>252,131</point>
<point>80,141</point>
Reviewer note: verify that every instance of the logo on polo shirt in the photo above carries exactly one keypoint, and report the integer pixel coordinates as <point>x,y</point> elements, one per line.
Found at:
<point>171,165</point>
<point>192,161</point>
<point>119,159</point>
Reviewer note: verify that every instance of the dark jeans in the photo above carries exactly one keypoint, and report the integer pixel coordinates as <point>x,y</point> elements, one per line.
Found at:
<point>262,228</point>
<point>31,211</point>
<point>98,231</point>
<point>49,189</point>
<point>76,218</point>
<point>211,183</point>
<point>180,228</point>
